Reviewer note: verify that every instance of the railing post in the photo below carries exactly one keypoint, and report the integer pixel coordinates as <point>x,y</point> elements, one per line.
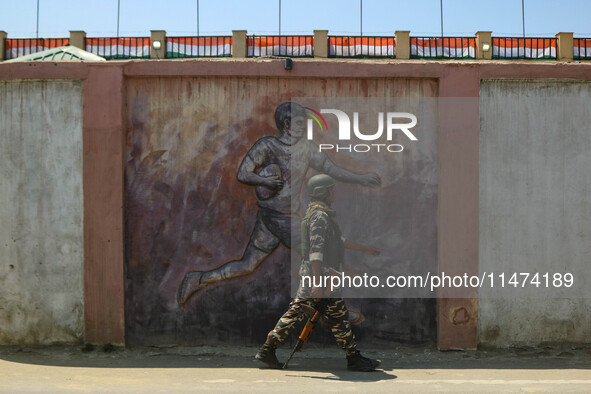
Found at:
<point>78,39</point>
<point>158,36</point>
<point>565,47</point>
<point>402,44</point>
<point>483,39</point>
<point>320,43</point>
<point>239,46</point>
<point>3,36</point>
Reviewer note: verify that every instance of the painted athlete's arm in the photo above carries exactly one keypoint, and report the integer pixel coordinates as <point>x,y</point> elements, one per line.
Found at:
<point>246,174</point>
<point>371,250</point>
<point>321,162</point>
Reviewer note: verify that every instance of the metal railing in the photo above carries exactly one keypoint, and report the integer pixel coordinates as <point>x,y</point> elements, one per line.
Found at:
<point>523,48</point>
<point>210,46</point>
<point>442,48</point>
<point>119,48</point>
<point>303,46</point>
<point>582,48</point>
<point>360,47</point>
<point>289,46</point>
<point>17,47</point>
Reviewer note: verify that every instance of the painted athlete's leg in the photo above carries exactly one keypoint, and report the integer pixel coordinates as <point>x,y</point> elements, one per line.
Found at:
<point>262,243</point>
<point>286,227</point>
<point>248,263</point>
<point>295,314</point>
<point>337,316</point>
<point>197,280</point>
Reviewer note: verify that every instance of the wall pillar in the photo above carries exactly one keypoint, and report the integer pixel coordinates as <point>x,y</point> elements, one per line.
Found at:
<point>402,44</point>
<point>458,192</point>
<point>483,38</point>
<point>564,51</point>
<point>239,47</point>
<point>158,36</point>
<point>78,39</point>
<point>321,43</point>
<point>3,36</point>
<point>103,138</point>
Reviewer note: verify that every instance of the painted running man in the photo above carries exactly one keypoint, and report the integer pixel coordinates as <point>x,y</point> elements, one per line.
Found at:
<point>277,167</point>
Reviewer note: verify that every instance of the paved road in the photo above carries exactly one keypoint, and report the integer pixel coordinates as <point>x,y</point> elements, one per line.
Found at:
<point>157,370</point>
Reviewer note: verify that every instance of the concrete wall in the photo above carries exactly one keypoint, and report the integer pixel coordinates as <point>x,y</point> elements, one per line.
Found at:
<point>41,241</point>
<point>535,208</point>
<point>106,117</point>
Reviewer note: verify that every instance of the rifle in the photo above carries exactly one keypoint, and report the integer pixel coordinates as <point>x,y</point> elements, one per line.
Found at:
<point>303,338</point>
<point>318,311</point>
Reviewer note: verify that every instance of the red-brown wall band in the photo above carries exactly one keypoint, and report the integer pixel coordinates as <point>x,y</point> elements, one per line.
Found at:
<point>103,155</point>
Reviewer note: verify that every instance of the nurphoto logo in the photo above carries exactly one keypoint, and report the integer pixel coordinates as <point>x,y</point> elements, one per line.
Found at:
<point>396,122</point>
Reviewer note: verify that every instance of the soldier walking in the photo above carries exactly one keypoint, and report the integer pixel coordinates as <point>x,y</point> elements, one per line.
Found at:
<point>323,248</point>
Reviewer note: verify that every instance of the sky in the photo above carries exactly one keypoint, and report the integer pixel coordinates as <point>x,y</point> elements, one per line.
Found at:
<point>340,17</point>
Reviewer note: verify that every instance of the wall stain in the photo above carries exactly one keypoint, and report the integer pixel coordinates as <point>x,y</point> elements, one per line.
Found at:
<point>460,316</point>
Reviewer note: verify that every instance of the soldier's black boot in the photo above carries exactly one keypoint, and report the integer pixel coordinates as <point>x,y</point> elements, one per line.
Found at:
<point>267,355</point>
<point>356,362</point>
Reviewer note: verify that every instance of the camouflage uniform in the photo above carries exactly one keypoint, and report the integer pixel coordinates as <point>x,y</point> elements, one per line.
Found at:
<point>325,245</point>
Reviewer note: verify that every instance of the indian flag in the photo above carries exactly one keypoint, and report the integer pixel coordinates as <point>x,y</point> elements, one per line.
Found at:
<point>443,47</point>
<point>582,48</point>
<point>17,47</point>
<point>119,48</point>
<point>361,46</point>
<point>198,46</point>
<point>526,48</point>
<point>297,46</point>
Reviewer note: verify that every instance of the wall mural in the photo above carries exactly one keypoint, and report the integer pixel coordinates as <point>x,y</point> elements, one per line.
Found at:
<point>207,250</point>
<point>268,166</point>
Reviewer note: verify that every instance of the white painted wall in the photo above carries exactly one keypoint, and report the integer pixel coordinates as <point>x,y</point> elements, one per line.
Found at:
<point>41,233</point>
<point>535,209</point>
